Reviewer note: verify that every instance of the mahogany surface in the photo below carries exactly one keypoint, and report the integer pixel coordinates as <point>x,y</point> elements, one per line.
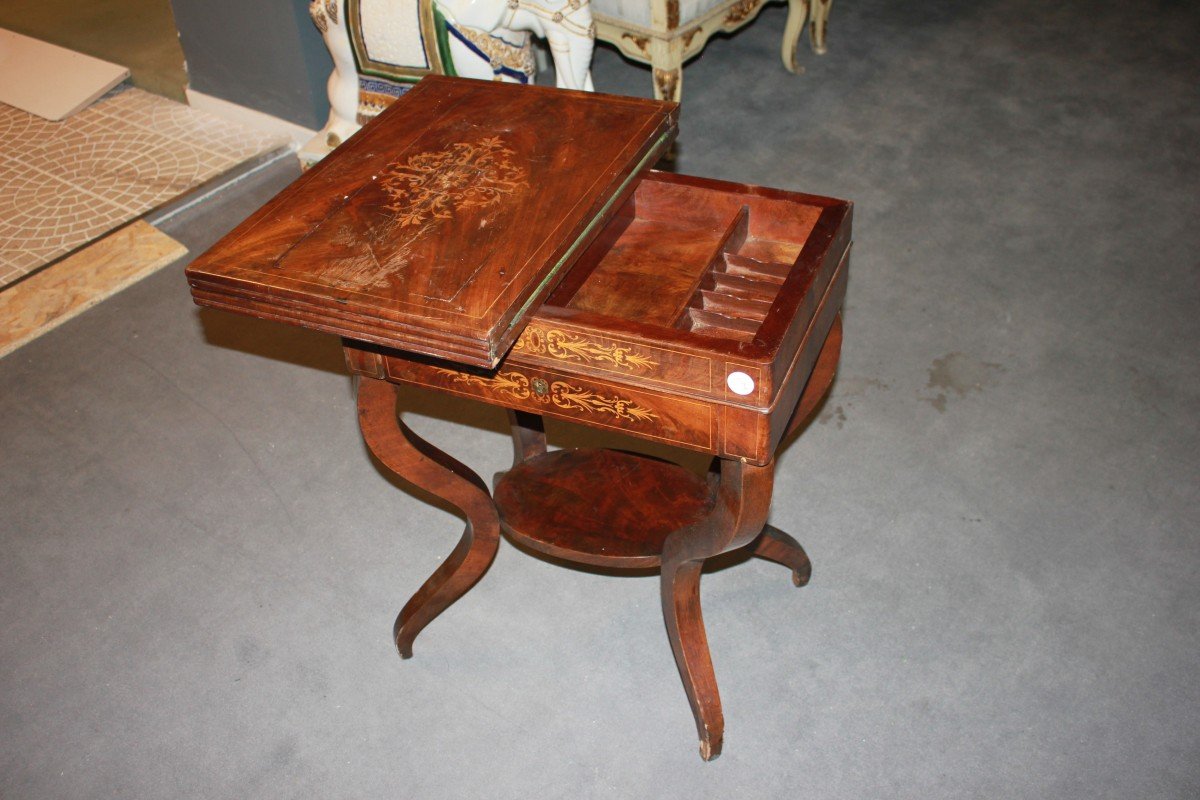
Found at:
<point>524,257</point>
<point>444,221</point>
<point>667,380</point>
<point>638,502</point>
<point>605,508</point>
<point>409,456</point>
<point>742,500</point>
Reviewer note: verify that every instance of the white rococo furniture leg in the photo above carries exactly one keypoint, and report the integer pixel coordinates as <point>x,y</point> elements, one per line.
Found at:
<point>797,14</point>
<point>330,19</point>
<point>818,24</point>
<point>486,39</point>
<point>667,33</point>
<point>666,59</point>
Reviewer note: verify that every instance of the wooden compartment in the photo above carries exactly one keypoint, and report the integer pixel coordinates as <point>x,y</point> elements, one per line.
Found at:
<point>690,258</point>
<point>699,279</point>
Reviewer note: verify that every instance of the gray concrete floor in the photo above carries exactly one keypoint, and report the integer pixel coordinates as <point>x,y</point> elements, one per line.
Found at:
<point>200,564</point>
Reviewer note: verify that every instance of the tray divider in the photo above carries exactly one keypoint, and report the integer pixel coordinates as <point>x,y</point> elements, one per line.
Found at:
<point>733,238</point>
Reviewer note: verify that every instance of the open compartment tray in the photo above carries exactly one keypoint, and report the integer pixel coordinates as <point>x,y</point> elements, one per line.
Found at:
<point>717,277</point>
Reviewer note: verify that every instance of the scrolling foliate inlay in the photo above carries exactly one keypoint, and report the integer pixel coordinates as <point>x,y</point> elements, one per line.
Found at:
<point>438,184</point>
<point>559,393</point>
<point>422,191</point>
<point>571,347</point>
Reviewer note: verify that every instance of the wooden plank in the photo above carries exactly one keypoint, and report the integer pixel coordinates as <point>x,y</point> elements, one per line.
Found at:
<point>64,290</point>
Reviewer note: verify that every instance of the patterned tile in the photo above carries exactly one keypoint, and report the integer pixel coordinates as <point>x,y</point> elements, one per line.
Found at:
<point>184,124</point>
<point>42,217</point>
<point>64,183</point>
<point>21,131</point>
<point>134,169</point>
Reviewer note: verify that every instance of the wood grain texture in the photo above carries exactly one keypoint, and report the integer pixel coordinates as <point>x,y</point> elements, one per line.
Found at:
<point>423,465</point>
<point>678,284</point>
<point>743,498</point>
<point>775,545</point>
<point>599,507</point>
<point>64,290</point>
<point>653,415</point>
<point>528,435</point>
<point>445,220</point>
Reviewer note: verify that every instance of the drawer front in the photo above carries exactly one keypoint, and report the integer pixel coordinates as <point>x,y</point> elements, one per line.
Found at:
<point>582,350</point>
<point>670,419</point>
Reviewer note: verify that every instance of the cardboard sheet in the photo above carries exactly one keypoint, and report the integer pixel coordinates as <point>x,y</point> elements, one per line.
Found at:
<point>51,81</point>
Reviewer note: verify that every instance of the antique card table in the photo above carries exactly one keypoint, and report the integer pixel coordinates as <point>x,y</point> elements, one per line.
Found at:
<point>510,244</point>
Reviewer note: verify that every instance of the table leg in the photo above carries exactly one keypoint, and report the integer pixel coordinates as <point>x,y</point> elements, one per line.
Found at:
<point>797,14</point>
<point>738,516</point>
<point>818,23</point>
<point>775,545</point>
<point>422,464</point>
<point>529,435</point>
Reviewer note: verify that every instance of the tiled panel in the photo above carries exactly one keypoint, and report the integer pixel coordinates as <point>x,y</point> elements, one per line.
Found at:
<point>63,184</point>
<point>21,131</point>
<point>182,123</point>
<point>134,169</point>
<point>42,217</point>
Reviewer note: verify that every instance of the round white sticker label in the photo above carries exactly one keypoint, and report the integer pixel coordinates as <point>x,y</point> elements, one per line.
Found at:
<point>740,383</point>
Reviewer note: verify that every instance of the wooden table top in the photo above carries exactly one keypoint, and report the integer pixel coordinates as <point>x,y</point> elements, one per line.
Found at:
<point>441,224</point>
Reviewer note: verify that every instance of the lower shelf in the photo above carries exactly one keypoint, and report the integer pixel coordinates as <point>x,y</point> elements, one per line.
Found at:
<point>600,507</point>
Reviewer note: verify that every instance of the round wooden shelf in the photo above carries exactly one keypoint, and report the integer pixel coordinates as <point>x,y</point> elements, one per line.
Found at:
<point>597,506</point>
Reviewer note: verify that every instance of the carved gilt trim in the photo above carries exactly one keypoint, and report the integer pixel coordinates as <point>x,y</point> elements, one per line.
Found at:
<point>316,10</point>
<point>640,42</point>
<point>739,11</point>
<point>667,81</point>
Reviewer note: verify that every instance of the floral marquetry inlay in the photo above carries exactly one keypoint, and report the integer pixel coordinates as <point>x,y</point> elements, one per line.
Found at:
<point>571,347</point>
<point>438,184</point>
<point>558,393</point>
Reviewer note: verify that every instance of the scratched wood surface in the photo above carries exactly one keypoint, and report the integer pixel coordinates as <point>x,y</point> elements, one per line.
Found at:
<point>444,221</point>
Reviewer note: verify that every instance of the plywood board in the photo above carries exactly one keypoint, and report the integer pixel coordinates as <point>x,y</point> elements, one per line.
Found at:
<point>46,300</point>
<point>51,81</point>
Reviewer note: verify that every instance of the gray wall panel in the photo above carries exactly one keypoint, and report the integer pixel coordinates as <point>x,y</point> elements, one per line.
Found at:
<point>264,54</point>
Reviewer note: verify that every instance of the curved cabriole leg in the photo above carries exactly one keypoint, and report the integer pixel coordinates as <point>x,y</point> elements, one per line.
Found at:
<point>740,511</point>
<point>775,545</point>
<point>818,23</point>
<point>689,642</point>
<point>422,464</point>
<point>797,13</point>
